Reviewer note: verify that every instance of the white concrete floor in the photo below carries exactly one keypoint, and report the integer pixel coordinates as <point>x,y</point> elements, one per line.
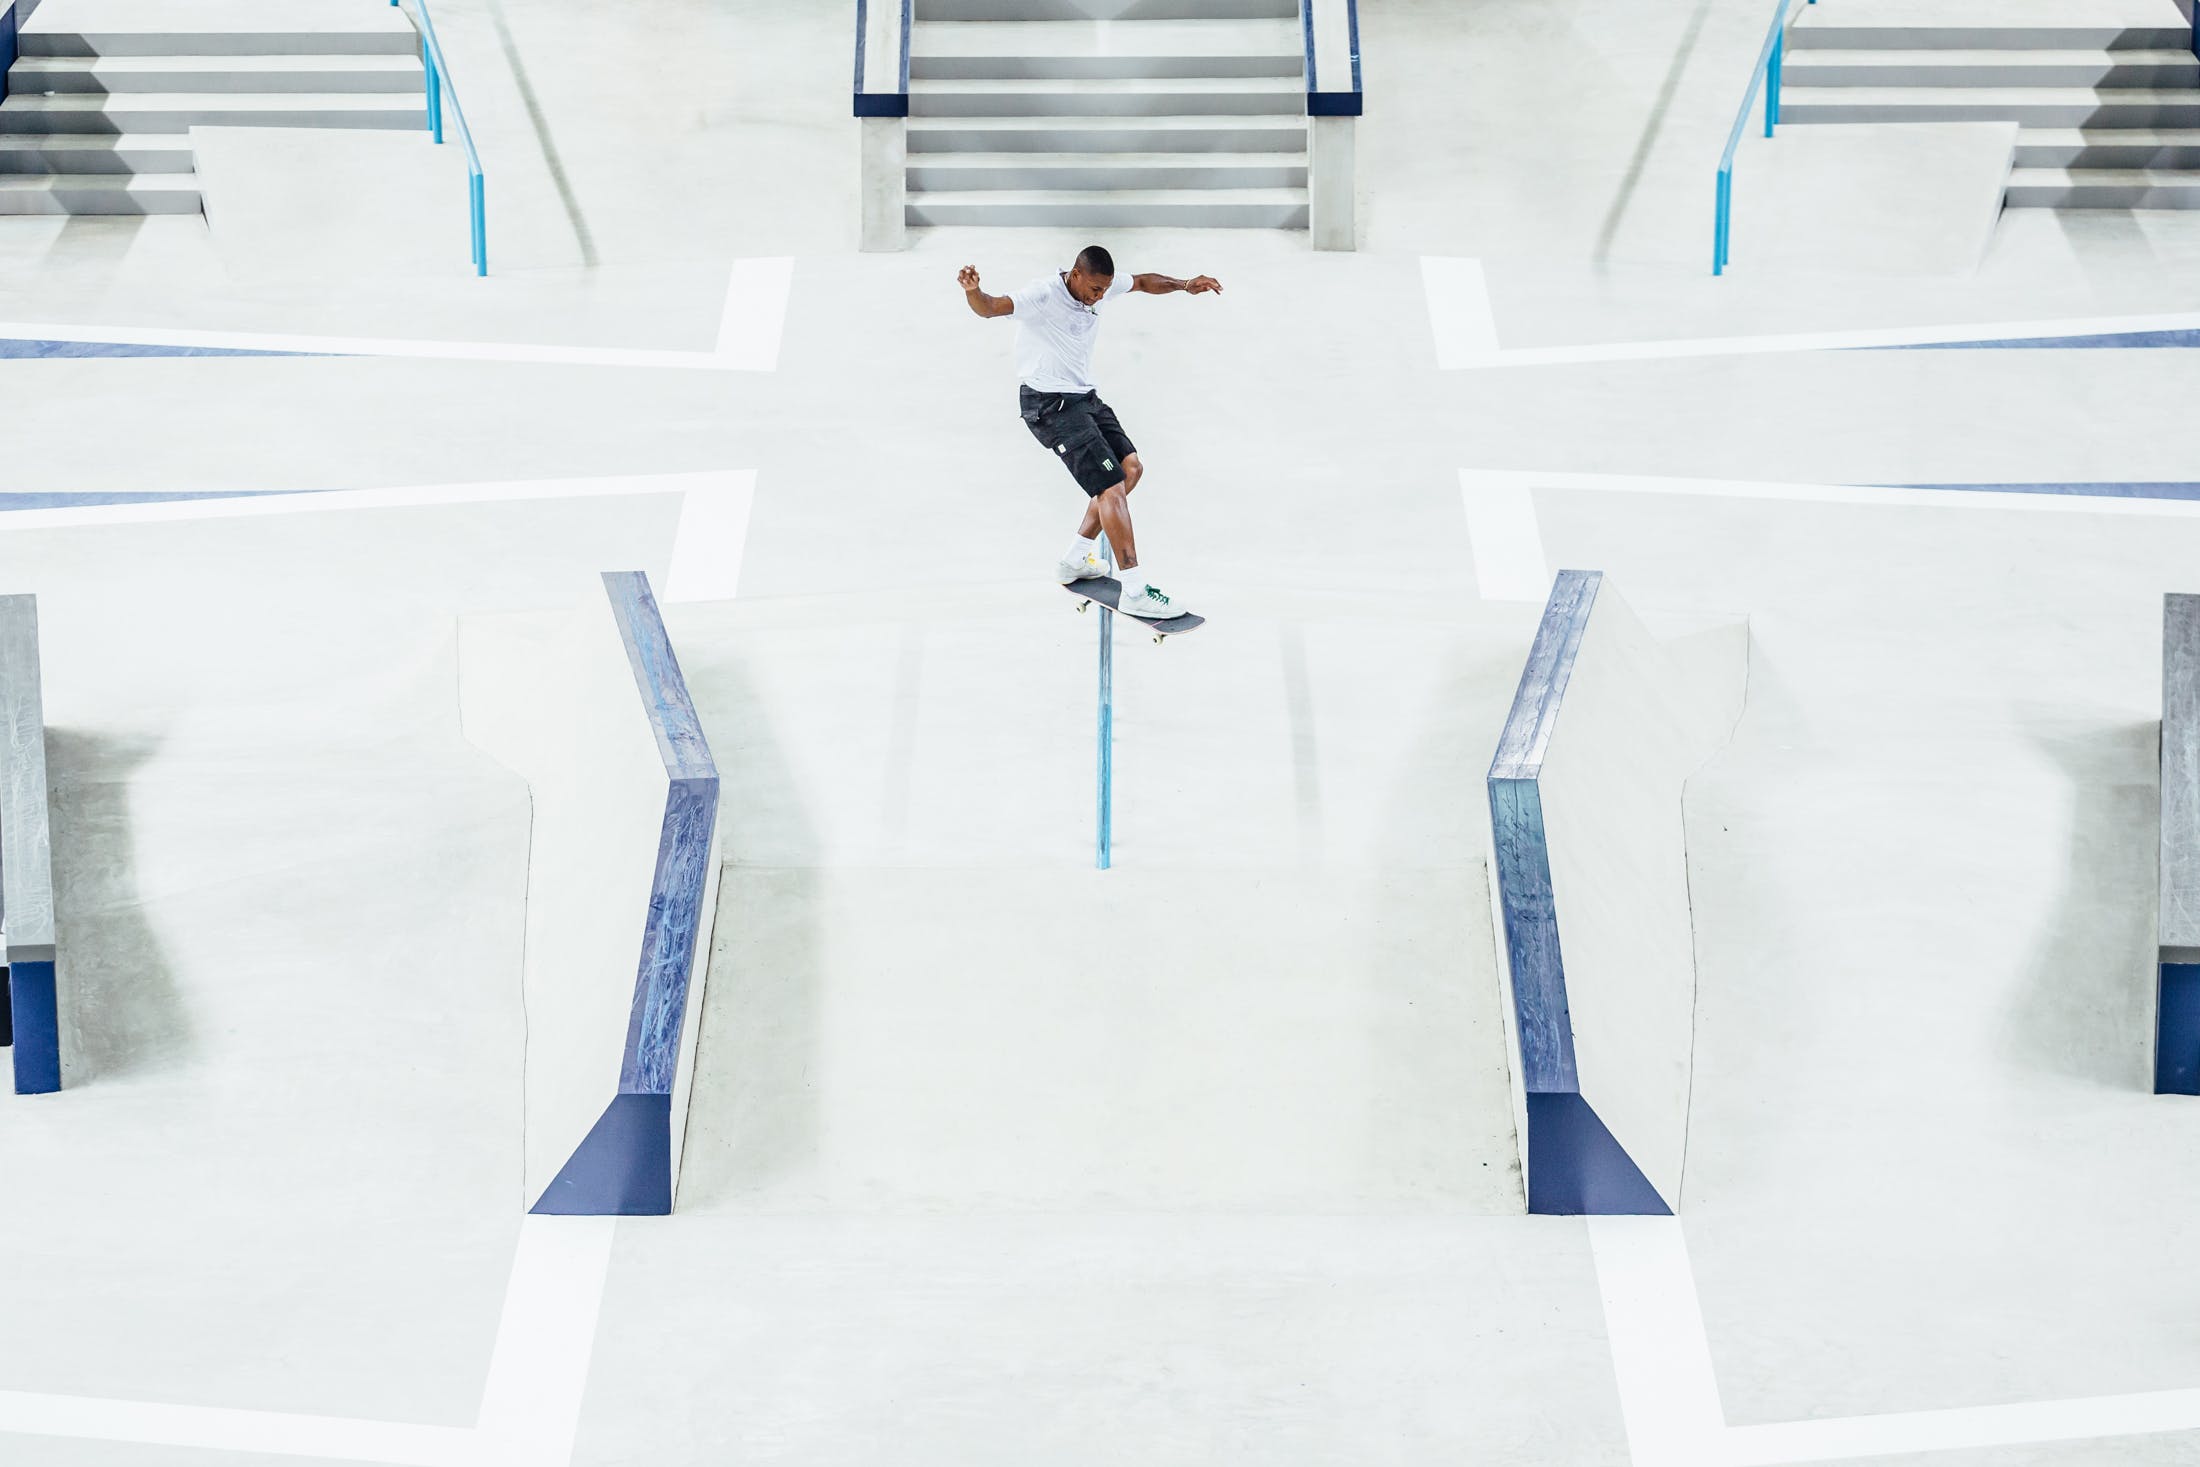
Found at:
<point>994,1162</point>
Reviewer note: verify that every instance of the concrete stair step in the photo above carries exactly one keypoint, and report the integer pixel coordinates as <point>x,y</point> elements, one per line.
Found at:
<point>110,75</point>
<point>230,28</point>
<point>1105,172</point>
<point>1123,10</point>
<point>2135,147</point>
<point>2037,68</point>
<point>99,193</point>
<point>1107,97</point>
<point>1003,50</point>
<point>1211,132</point>
<point>1815,33</point>
<point>103,153</point>
<point>144,112</point>
<point>2063,107</point>
<point>2103,188</point>
<point>1126,209</point>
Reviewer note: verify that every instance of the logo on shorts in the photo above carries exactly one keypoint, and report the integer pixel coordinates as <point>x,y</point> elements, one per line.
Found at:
<point>1107,463</point>
<point>1061,448</point>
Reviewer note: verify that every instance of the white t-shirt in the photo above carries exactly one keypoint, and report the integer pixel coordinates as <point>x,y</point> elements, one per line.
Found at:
<point>1055,334</point>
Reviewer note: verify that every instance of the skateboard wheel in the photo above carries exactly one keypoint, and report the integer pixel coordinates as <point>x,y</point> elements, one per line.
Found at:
<point>1082,605</point>
<point>1159,638</point>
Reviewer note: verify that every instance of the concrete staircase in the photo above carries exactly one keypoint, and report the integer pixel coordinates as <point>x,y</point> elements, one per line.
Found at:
<point>102,97</point>
<point>2108,114</point>
<point>1187,113</point>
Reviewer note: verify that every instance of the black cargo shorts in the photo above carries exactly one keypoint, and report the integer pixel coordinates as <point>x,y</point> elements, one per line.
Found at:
<point>1080,430</point>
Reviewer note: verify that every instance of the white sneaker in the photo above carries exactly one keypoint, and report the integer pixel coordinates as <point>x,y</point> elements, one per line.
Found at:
<point>1085,567</point>
<point>1147,603</point>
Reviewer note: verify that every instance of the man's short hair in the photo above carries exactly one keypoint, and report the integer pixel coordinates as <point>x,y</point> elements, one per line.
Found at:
<point>1096,262</point>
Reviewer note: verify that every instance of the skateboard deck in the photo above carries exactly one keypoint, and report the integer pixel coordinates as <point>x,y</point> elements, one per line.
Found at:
<point>1108,591</point>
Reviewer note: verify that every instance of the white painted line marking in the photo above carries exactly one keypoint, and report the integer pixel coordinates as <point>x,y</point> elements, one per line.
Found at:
<point>1669,1395</point>
<point>530,1410</point>
<point>1490,481</point>
<point>755,317</point>
<point>750,326</point>
<point>1508,545</point>
<point>1459,324</point>
<point>531,1407</point>
<point>1459,311</point>
<point>712,535</point>
<point>1660,1354</point>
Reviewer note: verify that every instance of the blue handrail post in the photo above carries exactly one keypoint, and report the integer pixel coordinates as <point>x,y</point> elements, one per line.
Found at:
<point>1772,84</point>
<point>435,103</point>
<point>481,226</point>
<point>1104,849</point>
<point>1722,221</point>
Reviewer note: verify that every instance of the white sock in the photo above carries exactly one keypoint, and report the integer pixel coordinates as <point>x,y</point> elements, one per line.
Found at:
<point>1080,547</point>
<point>1134,581</point>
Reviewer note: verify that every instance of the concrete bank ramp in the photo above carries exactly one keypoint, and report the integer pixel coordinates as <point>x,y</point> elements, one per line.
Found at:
<point>922,995</point>
<point>1040,1038</point>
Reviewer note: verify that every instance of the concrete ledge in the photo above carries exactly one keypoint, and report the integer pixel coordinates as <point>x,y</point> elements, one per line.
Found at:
<point>26,858</point>
<point>2177,955</point>
<point>1592,897</point>
<point>590,706</point>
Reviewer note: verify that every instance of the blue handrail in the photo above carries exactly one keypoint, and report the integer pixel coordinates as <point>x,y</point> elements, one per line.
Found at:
<point>1767,73</point>
<point>441,87</point>
<point>1321,101</point>
<point>881,104</point>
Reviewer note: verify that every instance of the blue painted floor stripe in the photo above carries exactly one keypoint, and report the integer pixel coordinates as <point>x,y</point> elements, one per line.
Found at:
<point>2162,489</point>
<point>10,501</point>
<point>2187,337</point>
<point>18,347</point>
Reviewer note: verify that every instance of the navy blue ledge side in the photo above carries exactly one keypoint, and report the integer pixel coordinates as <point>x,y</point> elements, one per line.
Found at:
<point>10,44</point>
<point>623,1169</point>
<point>36,1015</point>
<point>2177,1030</point>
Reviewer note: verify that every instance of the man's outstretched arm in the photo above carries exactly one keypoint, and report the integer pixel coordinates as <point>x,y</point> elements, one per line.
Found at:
<point>1170,285</point>
<point>983,304</point>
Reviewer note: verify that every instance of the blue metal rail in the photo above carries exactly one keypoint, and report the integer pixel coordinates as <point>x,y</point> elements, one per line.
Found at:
<point>1766,74</point>
<point>883,102</point>
<point>1104,841</point>
<point>442,91</point>
<point>1323,97</point>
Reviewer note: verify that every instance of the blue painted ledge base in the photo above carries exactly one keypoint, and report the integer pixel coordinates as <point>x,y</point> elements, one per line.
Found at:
<point>2177,1030</point>
<point>1576,1167</point>
<point>35,1021</point>
<point>623,1169</point>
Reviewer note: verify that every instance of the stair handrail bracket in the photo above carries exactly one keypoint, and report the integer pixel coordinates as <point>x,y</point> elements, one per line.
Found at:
<point>442,93</point>
<point>882,35</point>
<point>1332,57</point>
<point>1766,75</point>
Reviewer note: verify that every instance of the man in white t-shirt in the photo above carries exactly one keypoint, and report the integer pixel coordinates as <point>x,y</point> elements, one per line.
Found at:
<point>1057,321</point>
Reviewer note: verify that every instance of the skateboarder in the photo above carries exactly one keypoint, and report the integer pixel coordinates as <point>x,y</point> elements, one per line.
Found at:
<point>1057,319</point>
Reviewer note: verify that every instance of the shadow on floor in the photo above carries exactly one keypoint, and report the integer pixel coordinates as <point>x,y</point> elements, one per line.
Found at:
<point>120,1012</point>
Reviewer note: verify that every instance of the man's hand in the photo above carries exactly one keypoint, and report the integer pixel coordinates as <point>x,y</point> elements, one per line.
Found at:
<point>983,304</point>
<point>1170,285</point>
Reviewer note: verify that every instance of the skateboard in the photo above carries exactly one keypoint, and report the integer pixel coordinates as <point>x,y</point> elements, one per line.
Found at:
<point>1108,591</point>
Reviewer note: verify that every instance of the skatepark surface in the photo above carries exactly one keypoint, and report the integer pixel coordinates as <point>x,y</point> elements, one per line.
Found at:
<point>995,1158</point>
